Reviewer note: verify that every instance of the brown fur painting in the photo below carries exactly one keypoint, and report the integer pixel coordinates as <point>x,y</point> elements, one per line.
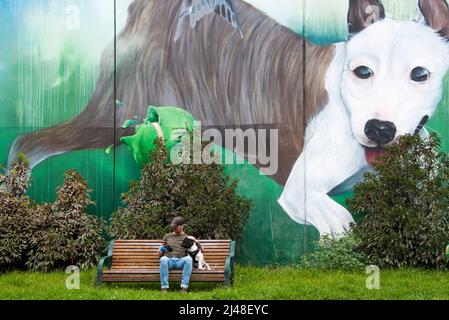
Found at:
<point>224,80</point>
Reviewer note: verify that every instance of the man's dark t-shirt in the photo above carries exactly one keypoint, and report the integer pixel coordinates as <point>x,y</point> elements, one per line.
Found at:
<point>174,240</point>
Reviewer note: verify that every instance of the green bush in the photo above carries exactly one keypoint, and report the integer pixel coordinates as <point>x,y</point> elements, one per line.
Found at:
<point>64,233</point>
<point>336,253</point>
<point>16,223</point>
<point>202,194</point>
<point>49,236</point>
<point>405,203</point>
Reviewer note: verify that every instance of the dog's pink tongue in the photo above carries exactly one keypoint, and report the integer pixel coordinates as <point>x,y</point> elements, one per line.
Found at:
<point>371,154</point>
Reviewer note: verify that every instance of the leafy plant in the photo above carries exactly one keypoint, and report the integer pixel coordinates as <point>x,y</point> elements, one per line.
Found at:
<point>65,234</point>
<point>16,223</point>
<point>17,179</point>
<point>336,253</point>
<point>405,203</point>
<point>202,194</point>
<point>48,236</point>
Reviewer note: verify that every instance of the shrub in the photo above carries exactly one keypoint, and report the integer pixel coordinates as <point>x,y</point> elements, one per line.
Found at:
<point>16,223</point>
<point>17,180</point>
<point>405,203</point>
<point>65,234</point>
<point>48,236</point>
<point>202,194</point>
<point>332,253</point>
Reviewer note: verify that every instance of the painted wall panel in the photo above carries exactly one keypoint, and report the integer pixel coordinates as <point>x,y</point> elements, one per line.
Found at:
<point>326,24</point>
<point>51,53</point>
<point>58,64</point>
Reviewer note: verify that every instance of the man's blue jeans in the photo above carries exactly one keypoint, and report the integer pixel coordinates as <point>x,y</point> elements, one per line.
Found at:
<point>185,264</point>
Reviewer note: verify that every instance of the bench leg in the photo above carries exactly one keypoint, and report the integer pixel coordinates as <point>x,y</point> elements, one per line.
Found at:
<point>99,281</point>
<point>228,280</point>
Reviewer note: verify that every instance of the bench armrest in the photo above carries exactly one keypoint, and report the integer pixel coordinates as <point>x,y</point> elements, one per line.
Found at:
<point>230,266</point>
<point>103,260</point>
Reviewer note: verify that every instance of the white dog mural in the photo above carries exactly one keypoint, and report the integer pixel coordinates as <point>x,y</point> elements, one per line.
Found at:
<point>239,64</point>
<point>386,81</point>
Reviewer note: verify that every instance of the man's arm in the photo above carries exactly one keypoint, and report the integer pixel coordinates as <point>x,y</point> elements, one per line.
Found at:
<point>162,252</point>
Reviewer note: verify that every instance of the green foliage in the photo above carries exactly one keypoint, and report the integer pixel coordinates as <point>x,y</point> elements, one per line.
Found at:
<point>16,223</point>
<point>64,233</point>
<point>49,236</point>
<point>202,194</point>
<point>330,253</point>
<point>17,180</point>
<point>405,201</point>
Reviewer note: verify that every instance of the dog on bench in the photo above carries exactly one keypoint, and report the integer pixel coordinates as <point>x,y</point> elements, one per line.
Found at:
<point>196,254</point>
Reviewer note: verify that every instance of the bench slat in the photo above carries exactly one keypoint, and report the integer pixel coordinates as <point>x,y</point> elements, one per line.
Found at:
<point>172,278</point>
<point>158,241</point>
<point>156,266</point>
<point>147,271</point>
<point>156,248</point>
<point>156,270</point>
<point>156,263</point>
<point>154,258</point>
<point>225,246</point>
<point>156,275</point>
<point>155,251</point>
<point>146,263</point>
<point>124,244</point>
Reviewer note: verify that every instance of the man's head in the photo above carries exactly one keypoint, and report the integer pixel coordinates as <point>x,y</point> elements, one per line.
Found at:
<point>177,224</point>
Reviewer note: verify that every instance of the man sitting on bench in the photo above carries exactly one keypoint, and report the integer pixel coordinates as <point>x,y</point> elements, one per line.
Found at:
<point>174,256</point>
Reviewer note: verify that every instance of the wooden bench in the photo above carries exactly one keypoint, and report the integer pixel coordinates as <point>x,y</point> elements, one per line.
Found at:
<point>138,261</point>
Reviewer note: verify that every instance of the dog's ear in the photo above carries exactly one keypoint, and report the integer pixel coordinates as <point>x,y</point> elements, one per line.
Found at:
<point>435,13</point>
<point>362,13</point>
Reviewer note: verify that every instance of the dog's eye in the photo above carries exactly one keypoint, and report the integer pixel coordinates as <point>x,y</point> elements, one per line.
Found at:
<point>420,74</point>
<point>363,72</point>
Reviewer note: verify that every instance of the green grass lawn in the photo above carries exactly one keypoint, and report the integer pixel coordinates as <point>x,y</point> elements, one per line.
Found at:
<point>250,283</point>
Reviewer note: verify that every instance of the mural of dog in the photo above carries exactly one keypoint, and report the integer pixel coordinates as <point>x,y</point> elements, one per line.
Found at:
<point>335,106</point>
<point>383,83</point>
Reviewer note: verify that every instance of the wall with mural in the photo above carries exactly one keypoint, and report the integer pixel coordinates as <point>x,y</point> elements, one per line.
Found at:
<point>76,76</point>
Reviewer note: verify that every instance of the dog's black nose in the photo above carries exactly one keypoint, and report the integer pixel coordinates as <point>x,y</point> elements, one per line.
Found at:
<point>380,132</point>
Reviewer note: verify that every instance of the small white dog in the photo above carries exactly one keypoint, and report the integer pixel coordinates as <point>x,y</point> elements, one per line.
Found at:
<point>195,253</point>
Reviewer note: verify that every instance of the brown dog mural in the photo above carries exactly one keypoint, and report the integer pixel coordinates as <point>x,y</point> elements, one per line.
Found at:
<point>222,79</point>
<point>337,106</point>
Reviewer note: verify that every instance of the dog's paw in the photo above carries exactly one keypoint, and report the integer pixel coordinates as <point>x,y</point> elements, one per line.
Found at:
<point>322,212</point>
<point>329,217</point>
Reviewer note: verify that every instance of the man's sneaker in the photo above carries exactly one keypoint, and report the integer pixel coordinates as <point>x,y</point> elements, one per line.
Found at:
<point>164,290</point>
<point>184,290</point>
